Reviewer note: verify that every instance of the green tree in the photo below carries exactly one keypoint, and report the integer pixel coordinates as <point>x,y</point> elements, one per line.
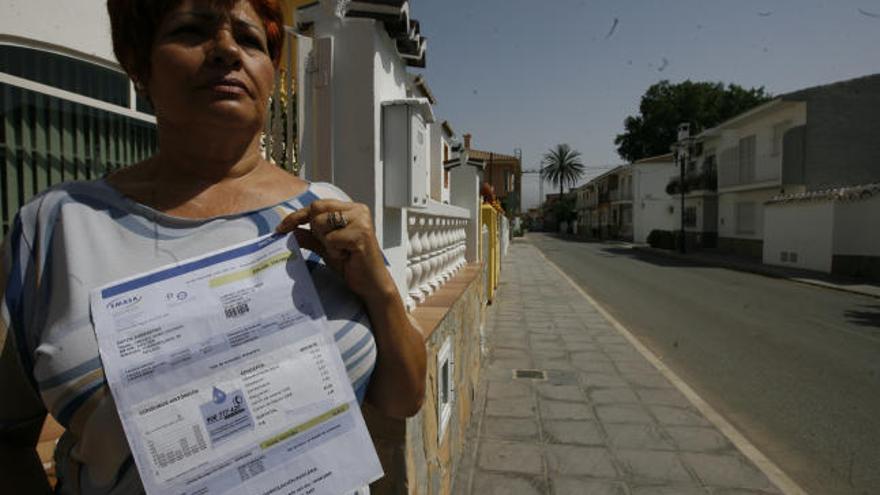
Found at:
<point>564,209</point>
<point>665,105</point>
<point>562,165</point>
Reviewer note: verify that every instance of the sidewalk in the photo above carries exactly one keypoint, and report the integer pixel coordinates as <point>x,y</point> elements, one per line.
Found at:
<point>809,277</point>
<point>604,421</point>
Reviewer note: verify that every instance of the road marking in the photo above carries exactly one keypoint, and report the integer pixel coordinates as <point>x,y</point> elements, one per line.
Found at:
<point>770,469</point>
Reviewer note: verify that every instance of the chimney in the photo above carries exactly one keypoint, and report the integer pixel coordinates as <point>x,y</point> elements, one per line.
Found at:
<point>467,141</point>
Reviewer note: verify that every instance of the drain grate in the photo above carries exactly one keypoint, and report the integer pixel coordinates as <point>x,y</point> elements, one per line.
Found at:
<point>529,374</point>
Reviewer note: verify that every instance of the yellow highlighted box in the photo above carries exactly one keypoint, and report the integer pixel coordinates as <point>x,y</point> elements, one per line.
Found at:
<point>296,430</point>
<point>250,271</point>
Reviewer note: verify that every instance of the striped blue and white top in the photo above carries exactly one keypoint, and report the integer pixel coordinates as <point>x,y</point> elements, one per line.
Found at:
<point>82,235</point>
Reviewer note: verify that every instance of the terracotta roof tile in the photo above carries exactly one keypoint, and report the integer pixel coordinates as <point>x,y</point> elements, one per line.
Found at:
<point>848,193</point>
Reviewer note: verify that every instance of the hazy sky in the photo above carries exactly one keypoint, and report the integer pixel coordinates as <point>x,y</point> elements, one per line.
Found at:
<point>532,73</point>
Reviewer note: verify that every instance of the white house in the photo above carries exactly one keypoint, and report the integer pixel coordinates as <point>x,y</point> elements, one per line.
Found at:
<point>810,140</point>
<point>832,231</point>
<point>749,151</point>
<point>653,208</point>
<point>369,131</point>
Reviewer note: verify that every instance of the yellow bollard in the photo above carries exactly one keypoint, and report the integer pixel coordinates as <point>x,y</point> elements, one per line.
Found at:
<point>490,220</point>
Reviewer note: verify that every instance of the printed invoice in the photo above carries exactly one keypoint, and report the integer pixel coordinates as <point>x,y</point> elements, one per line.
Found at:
<point>226,377</point>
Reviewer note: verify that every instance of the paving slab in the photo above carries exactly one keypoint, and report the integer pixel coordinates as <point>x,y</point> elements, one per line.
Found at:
<point>495,484</point>
<point>584,461</point>
<point>563,485</point>
<point>573,432</point>
<point>511,457</point>
<point>603,420</point>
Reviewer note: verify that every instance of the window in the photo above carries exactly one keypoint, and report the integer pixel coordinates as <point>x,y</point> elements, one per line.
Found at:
<point>690,216</point>
<point>709,164</point>
<point>46,140</point>
<point>745,218</point>
<point>445,387</point>
<point>747,160</point>
<point>67,73</point>
<point>729,167</point>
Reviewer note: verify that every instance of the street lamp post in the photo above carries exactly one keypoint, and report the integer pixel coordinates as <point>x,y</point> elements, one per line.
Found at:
<point>682,153</point>
<point>682,159</point>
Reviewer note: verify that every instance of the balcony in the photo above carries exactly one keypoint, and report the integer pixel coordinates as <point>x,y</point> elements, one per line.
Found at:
<point>706,180</point>
<point>620,195</point>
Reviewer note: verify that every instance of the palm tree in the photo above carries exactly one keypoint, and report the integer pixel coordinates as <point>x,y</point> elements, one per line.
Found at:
<point>562,165</point>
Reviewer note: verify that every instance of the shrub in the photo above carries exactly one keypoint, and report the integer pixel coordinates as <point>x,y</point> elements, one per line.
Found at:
<point>662,239</point>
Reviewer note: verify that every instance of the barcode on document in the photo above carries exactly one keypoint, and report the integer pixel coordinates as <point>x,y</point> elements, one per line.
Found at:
<point>236,310</point>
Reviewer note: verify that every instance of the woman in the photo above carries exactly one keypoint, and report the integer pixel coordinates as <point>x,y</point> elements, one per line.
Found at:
<point>207,67</point>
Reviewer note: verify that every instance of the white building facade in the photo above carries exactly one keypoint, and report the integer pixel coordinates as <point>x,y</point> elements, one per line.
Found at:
<point>749,150</point>
<point>833,231</point>
<point>653,208</point>
<point>368,127</point>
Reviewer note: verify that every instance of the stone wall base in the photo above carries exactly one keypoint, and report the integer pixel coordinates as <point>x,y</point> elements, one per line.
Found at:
<point>418,460</point>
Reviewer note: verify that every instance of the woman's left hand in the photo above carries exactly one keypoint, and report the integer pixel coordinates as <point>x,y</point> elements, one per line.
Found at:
<point>343,234</point>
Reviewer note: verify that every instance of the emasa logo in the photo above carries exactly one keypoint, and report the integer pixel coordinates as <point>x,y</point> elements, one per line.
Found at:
<point>122,302</point>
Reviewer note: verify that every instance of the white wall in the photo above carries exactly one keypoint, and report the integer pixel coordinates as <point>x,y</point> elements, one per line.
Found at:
<point>464,182</point>
<point>438,191</point>
<point>857,227</point>
<point>366,71</point>
<point>727,211</point>
<point>80,28</point>
<point>444,186</point>
<point>804,228</point>
<point>768,166</point>
<point>435,162</point>
<point>651,204</point>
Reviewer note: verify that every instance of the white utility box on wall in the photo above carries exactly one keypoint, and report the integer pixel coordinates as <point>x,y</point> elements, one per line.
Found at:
<point>406,158</point>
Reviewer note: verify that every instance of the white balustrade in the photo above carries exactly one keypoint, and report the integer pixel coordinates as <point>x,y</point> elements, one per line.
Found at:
<point>435,251</point>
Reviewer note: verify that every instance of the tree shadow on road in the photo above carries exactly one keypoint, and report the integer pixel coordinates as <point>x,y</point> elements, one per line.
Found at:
<point>868,316</point>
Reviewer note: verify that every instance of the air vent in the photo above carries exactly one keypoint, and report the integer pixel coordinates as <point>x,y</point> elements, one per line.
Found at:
<point>529,375</point>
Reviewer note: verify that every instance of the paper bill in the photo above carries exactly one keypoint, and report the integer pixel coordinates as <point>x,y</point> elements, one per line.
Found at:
<point>227,380</point>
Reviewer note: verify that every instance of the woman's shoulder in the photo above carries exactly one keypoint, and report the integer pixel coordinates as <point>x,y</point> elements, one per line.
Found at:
<point>43,206</point>
<point>326,190</point>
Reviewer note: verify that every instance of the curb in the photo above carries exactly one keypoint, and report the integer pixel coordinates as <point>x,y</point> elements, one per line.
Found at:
<point>757,270</point>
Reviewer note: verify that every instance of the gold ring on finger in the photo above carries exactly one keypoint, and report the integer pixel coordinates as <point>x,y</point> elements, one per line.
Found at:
<point>336,220</point>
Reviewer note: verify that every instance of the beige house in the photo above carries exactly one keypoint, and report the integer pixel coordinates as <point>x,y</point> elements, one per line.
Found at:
<point>605,205</point>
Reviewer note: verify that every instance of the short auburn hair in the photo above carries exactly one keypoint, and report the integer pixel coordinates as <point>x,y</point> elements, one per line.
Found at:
<point>133,25</point>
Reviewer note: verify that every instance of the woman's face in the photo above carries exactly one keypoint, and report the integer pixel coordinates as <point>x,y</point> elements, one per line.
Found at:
<point>210,67</point>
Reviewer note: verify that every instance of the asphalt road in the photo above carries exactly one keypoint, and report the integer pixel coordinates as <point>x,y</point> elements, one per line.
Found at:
<point>795,368</point>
